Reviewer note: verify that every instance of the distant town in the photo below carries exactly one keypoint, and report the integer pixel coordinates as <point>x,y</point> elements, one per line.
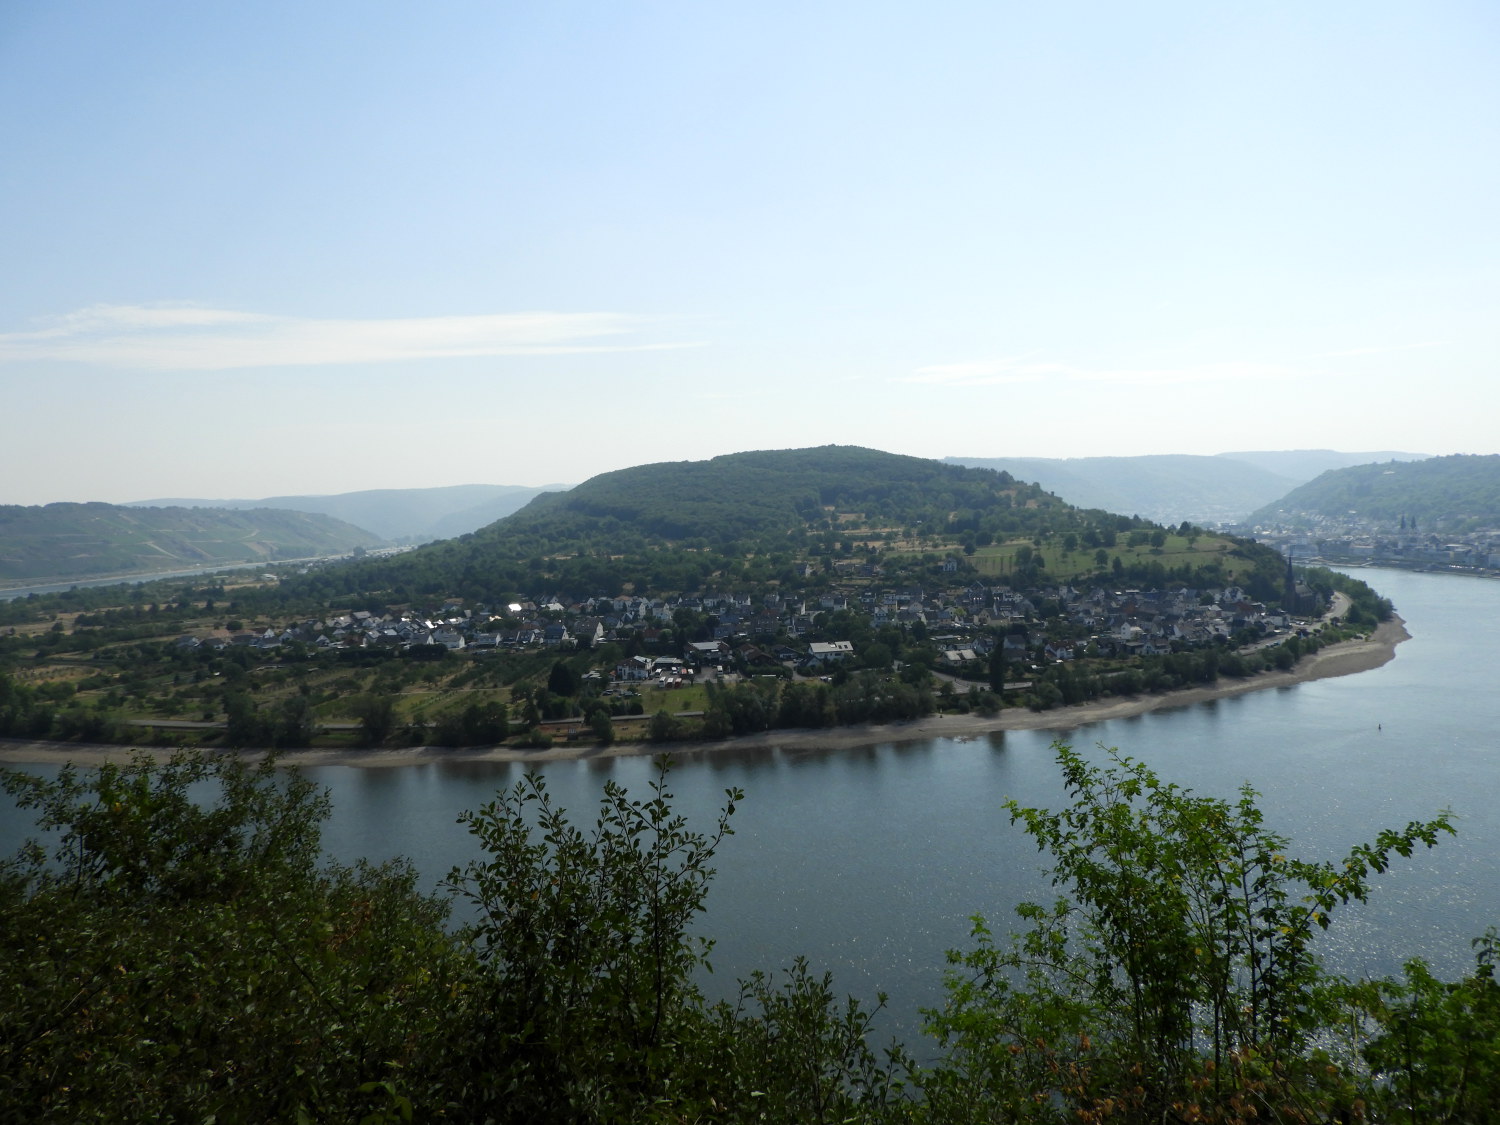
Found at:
<point>1352,539</point>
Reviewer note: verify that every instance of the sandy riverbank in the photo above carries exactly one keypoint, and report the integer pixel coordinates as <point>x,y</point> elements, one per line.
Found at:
<point>1343,659</point>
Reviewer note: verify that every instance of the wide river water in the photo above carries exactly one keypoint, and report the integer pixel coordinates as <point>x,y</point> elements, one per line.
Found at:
<point>870,862</point>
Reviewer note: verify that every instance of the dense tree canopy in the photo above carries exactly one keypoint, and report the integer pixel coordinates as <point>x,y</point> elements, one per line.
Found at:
<point>671,526</point>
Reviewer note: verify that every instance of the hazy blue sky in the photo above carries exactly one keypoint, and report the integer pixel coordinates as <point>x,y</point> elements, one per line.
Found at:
<point>272,247</point>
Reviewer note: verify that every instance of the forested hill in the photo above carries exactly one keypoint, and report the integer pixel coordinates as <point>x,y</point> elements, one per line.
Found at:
<point>749,496</point>
<point>91,540</point>
<point>1451,494</point>
<point>740,519</point>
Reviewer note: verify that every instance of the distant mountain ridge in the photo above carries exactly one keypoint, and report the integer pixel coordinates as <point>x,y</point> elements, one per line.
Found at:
<point>1456,494</point>
<point>1171,487</point>
<point>412,514</point>
<point>1305,464</point>
<point>95,540</point>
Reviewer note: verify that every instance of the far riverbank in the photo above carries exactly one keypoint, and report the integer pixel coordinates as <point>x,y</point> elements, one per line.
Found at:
<point>1342,659</point>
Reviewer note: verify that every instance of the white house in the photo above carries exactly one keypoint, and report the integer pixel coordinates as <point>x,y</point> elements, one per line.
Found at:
<point>827,651</point>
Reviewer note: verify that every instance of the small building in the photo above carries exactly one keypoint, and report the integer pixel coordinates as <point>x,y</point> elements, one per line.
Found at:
<point>826,652</point>
<point>707,652</point>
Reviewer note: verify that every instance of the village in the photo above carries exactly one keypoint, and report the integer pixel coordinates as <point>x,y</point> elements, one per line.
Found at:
<point>1353,539</point>
<point>657,637</point>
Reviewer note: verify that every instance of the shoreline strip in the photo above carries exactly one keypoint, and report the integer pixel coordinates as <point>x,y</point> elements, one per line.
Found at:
<point>1343,659</point>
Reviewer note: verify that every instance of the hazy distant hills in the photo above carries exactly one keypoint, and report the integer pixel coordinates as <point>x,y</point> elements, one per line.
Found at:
<point>1170,488</point>
<point>1166,488</point>
<point>1304,464</point>
<point>409,514</point>
<point>1451,494</point>
<point>94,540</point>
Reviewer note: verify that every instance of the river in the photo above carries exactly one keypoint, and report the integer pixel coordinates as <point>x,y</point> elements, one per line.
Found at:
<point>62,585</point>
<point>871,862</point>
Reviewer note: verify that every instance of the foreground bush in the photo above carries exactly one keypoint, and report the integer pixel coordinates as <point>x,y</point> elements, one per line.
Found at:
<point>183,952</point>
<point>1176,979</point>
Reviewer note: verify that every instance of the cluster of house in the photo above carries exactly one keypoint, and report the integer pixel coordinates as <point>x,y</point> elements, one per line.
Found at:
<point>964,623</point>
<point>1355,540</point>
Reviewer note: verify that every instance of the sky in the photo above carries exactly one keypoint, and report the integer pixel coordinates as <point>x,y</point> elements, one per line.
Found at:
<point>285,248</point>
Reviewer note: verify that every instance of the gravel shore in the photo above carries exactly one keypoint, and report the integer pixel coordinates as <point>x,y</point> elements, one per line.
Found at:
<point>1343,659</point>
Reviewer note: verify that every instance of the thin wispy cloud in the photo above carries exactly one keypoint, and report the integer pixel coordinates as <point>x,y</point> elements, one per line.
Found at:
<point>192,338</point>
<point>1003,372</point>
<point>1386,350</point>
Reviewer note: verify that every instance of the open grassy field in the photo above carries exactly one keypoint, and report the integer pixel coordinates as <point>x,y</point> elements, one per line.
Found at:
<point>999,560</point>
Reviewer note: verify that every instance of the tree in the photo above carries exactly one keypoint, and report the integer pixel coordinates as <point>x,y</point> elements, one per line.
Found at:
<point>603,727</point>
<point>665,727</point>
<point>563,679</point>
<point>243,726</point>
<point>583,1006</point>
<point>182,953</point>
<point>293,725</point>
<point>376,715</point>
<point>997,669</point>
<point>478,724</point>
<point>1177,972</point>
<point>1439,1042</point>
<point>530,713</point>
<point>587,996</point>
